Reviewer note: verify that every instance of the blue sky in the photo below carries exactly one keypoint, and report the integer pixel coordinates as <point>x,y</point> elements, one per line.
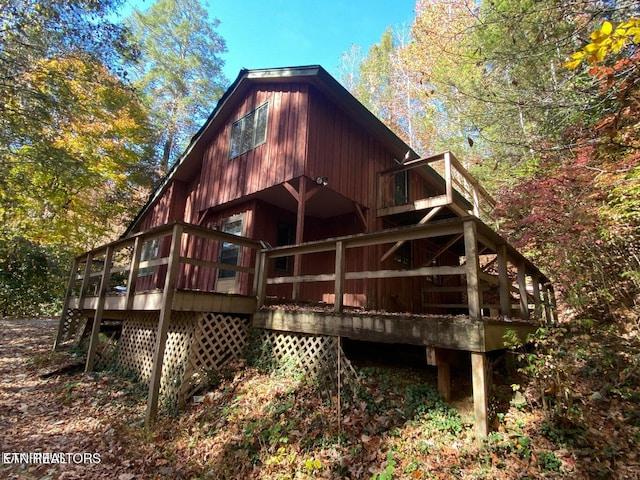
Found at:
<point>283,33</point>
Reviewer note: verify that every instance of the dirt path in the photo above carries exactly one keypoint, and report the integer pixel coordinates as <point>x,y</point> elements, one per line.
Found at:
<point>55,427</point>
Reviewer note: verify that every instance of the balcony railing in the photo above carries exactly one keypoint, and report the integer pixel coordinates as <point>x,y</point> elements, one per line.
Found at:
<point>436,181</point>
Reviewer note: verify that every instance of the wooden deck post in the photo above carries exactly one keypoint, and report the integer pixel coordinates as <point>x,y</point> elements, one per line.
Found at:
<point>472,270</point>
<point>522,286</point>
<point>301,196</point>
<point>444,373</point>
<point>259,277</point>
<point>163,324</point>
<point>504,282</point>
<point>537,310</point>
<point>65,305</point>
<point>97,317</point>
<point>340,280</point>
<point>546,303</point>
<point>480,392</point>
<point>554,305</point>
<point>85,280</point>
<point>133,272</point>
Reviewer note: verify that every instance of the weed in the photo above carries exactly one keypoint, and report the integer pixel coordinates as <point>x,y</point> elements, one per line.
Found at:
<point>548,462</point>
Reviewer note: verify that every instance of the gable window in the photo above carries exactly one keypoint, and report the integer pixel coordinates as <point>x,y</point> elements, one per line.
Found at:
<point>249,131</point>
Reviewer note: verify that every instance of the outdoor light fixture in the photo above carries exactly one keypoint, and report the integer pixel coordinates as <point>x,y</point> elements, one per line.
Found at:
<point>322,181</point>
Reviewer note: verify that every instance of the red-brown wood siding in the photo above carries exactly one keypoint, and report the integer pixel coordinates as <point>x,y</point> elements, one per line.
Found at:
<point>280,158</point>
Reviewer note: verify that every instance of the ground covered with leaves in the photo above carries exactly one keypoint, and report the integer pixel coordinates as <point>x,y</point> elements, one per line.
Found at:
<point>571,412</point>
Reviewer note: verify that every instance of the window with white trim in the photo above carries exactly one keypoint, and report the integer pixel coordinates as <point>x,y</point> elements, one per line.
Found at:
<point>249,131</point>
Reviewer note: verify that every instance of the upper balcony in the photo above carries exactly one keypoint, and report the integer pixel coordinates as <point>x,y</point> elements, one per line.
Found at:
<point>432,187</point>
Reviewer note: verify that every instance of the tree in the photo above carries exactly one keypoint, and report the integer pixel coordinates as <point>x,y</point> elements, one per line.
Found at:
<point>179,70</point>
<point>76,177</point>
<point>73,141</point>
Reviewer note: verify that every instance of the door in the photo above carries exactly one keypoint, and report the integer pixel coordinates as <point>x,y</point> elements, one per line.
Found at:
<point>230,254</point>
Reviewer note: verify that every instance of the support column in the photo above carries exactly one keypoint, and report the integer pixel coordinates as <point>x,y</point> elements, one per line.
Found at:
<point>473,269</point>
<point>301,195</point>
<point>444,374</point>
<point>480,392</point>
<point>163,324</point>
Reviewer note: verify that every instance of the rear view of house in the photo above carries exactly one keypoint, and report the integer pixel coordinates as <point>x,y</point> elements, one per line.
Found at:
<point>296,211</point>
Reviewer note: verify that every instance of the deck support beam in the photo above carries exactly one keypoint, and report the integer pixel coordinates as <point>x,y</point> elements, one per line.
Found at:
<point>301,195</point>
<point>479,376</point>
<point>443,361</point>
<point>472,269</point>
<point>163,324</point>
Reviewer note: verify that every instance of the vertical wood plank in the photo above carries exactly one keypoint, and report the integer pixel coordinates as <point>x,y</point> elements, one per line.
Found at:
<point>447,177</point>
<point>97,318</point>
<point>133,272</point>
<point>473,269</point>
<point>297,259</point>
<point>537,311</point>
<point>480,392</point>
<point>504,282</point>
<point>522,286</point>
<point>163,324</point>
<point>85,280</point>
<point>340,281</point>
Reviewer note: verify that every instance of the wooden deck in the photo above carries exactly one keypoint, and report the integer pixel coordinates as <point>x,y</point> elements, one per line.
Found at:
<point>486,292</point>
<point>445,332</point>
<point>183,301</point>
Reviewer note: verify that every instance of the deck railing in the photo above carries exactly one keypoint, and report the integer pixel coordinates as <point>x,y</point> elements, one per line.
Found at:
<point>449,184</point>
<point>536,298</point>
<point>159,260</point>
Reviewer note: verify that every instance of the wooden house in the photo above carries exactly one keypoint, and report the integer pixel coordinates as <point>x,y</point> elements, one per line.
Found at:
<point>294,193</point>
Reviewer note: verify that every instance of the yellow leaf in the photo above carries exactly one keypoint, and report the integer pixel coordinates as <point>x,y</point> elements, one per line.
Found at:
<point>601,53</point>
<point>572,65</point>
<point>606,28</point>
<point>578,55</point>
<point>617,44</point>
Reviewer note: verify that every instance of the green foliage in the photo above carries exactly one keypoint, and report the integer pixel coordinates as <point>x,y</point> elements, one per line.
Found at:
<point>179,70</point>
<point>73,139</point>
<point>389,470</point>
<point>32,277</point>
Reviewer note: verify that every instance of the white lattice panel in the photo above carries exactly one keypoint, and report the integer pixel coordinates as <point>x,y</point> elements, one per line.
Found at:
<point>217,340</point>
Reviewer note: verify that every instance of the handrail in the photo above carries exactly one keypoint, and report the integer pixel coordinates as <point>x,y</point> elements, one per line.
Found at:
<point>474,232</point>
<point>93,267</point>
<point>469,192</point>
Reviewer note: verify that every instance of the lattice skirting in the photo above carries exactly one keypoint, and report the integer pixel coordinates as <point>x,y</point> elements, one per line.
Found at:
<point>198,345</point>
<point>320,357</point>
<point>71,326</point>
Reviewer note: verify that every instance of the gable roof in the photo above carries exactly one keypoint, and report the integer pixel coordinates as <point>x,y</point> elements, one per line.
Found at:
<point>191,159</point>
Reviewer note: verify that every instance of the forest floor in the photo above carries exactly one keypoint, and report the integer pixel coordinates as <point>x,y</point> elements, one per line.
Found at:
<point>571,412</point>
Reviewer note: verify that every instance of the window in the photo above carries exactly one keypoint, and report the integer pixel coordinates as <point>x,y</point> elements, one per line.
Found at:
<point>249,131</point>
<point>285,235</point>
<point>401,188</point>
<point>229,252</point>
<point>403,255</point>
<point>150,251</point>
